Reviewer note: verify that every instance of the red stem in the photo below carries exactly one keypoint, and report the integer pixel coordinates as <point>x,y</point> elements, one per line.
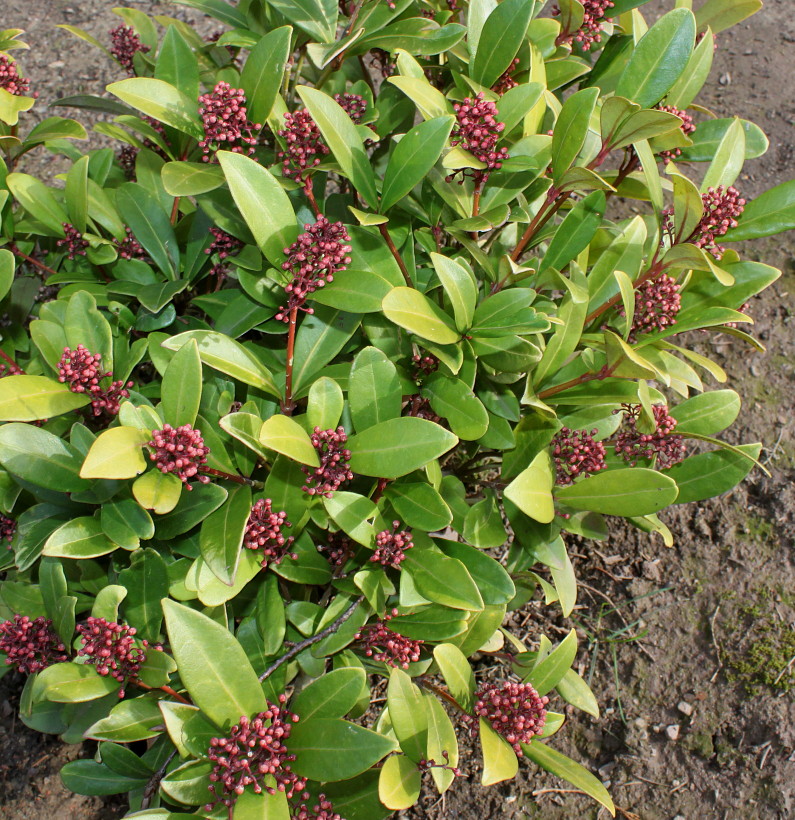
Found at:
<point>238,479</point>
<point>13,364</point>
<point>288,405</point>
<point>167,689</point>
<point>35,262</point>
<point>175,211</point>
<point>394,251</point>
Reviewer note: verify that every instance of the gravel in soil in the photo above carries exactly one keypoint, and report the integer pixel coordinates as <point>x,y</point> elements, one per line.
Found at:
<point>698,720</point>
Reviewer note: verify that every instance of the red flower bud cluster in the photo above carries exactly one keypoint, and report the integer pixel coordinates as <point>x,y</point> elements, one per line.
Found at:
<point>420,408</point>
<point>304,146</point>
<point>354,105</point>
<point>7,369</point>
<point>478,131</point>
<point>743,309</point>
<point>130,247</point>
<point>254,750</point>
<point>576,453</point>
<point>125,44</point>
<point>590,31</point>
<point>31,645</point>
<point>632,445</point>
<point>657,303</point>
<point>688,127</point>
<point>264,533</point>
<point>181,451</point>
<point>321,810</point>
<point>391,546</point>
<point>8,528</point>
<point>426,765</point>
<point>73,241</point>
<point>112,649</point>
<point>225,245</point>
<point>337,549</point>
<point>506,81</point>
<point>313,259</point>
<point>514,710</point>
<point>334,457</point>
<point>226,123</point>
<point>386,646</point>
<point>423,366</point>
<point>82,371</point>
<point>10,79</point>
<point>722,208</point>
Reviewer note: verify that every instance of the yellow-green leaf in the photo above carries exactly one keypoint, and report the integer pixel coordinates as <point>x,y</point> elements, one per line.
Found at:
<point>116,453</point>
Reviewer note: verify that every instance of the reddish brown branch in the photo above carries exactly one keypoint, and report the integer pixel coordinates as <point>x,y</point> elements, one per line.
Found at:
<point>396,254</point>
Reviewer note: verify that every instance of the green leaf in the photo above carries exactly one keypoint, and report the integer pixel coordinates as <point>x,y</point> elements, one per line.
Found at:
<point>79,538</point>
<point>571,129</point>
<point>453,400</point>
<point>357,291</point>
<point>205,652</point>
<point>76,192</point>
<point>771,213</point>
<point>499,759</point>
<point>190,178</point>
<point>264,806</point>
<point>38,200</point>
<point>126,523</point>
<point>345,142</point>
<point>722,14</point>
<point>413,158</point>
<point>460,286</point>
<point>574,690</point>
<point>419,505</point>
<point>11,105</point>
<point>727,163</point>
<point>416,313</point>
<point>399,783</point>
<point>38,456</point>
<point>286,436</point>
<point>500,39</point>
<point>150,225</point>
<point>442,580</point>
<point>494,583</point>
<point>330,749</point>
<point>374,392</point>
<point>188,784</point>
<point>30,398</point>
<point>262,74</point>
<point>263,204</point>
<point>407,715</point>
<point>161,101</point>
<point>129,721</point>
<point>430,101</point>
<point>7,266</point>
<point>227,356</point>
<point>331,696</point>
<point>318,18</point>
<point>72,683</point>
<point>531,490</point>
<point>116,453</point>
<point>398,446</point>
<point>623,491</point>
<point>707,475</point>
<point>182,386</point>
<point>157,491</point>
<point>325,404</point>
<point>106,604</point>
<point>558,764</point>
<point>549,672</point>
<point>146,581</point>
<point>483,525</point>
<point>457,673</point>
<point>353,513</point>
<point>441,741</point>
<point>659,59</point>
<point>177,64</point>
<point>92,778</point>
<point>575,232</point>
<point>708,136</point>
<point>221,537</point>
<point>707,413</point>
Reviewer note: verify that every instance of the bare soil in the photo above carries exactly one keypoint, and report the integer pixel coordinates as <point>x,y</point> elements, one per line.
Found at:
<point>689,649</point>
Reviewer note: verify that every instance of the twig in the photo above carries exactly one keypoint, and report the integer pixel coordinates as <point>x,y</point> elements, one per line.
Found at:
<point>396,253</point>
<point>715,643</point>
<point>238,479</point>
<point>167,689</point>
<point>300,647</point>
<point>14,365</point>
<point>154,782</point>
<point>288,405</point>
<point>40,265</point>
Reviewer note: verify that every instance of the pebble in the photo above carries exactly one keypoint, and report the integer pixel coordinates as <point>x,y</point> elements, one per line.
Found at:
<point>685,708</point>
<point>56,64</point>
<point>672,731</point>
<point>725,78</point>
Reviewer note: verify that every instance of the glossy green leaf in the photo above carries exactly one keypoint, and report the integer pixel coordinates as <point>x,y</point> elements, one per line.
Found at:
<point>500,38</point>
<point>92,778</point>
<point>571,129</point>
<point>398,446</point>
<point>150,225</point>
<point>205,651</point>
<point>454,401</point>
<point>770,213</point>
<point>30,398</point>
<point>116,453</point>
<point>38,200</point>
<point>442,742</point>
<point>548,673</point>
<point>531,490</point>
<point>128,721</point>
<point>708,136</point>
<point>182,386</point>
<point>325,403</point>
<point>407,715</point>
<point>707,413</point>
<point>161,101</point>
<point>443,580</point>
<point>374,392</point>
<point>190,178</point>
<point>399,783</point>
<point>72,683</point>
<point>460,286</point>
<point>157,491</point>
<point>331,696</point>
<point>415,312</point>
<point>419,505</point>
<point>621,492</point>
<point>146,581</point>
<point>499,759</point>
<point>81,537</point>
<point>221,537</point>
<point>177,64</point>
<point>284,435</point>
<point>707,475</point>
<point>457,673</point>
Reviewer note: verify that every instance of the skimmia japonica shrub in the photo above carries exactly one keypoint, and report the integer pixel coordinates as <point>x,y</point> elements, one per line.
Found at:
<point>312,372</point>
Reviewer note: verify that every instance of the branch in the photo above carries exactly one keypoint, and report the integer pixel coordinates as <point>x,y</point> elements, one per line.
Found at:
<point>288,405</point>
<point>154,782</point>
<point>300,647</point>
<point>396,253</point>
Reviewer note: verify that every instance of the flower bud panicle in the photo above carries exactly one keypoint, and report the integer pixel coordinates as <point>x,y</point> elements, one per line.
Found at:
<point>31,645</point>
<point>73,241</point>
<point>9,369</point>
<point>8,528</point>
<point>334,457</point>
<point>181,451</point>
<point>506,81</point>
<point>590,31</point>
<point>354,105</point>
<point>313,259</point>
<point>423,366</point>
<point>576,453</point>
<point>391,546</point>
<point>304,146</point>
<point>321,809</point>
<point>254,751</point>
<point>264,533</point>
<point>112,649</point>
<point>124,45</point>
<point>477,130</point>
<point>386,646</point>
<point>130,247</point>
<point>687,127</point>
<point>10,79</point>
<point>83,372</point>
<point>657,303</point>
<point>722,208</point>
<point>514,710</point>
<point>225,120</point>
<point>632,445</point>
<point>337,548</point>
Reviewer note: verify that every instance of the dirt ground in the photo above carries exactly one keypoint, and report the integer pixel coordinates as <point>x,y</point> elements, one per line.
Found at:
<point>699,637</point>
